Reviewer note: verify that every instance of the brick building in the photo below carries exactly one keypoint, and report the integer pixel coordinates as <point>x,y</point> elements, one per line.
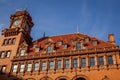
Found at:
<point>64,57</point>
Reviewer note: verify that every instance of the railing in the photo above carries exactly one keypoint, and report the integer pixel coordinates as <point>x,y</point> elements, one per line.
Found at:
<point>65,53</point>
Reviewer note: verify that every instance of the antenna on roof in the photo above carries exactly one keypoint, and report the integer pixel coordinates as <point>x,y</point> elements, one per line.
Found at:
<point>78,29</point>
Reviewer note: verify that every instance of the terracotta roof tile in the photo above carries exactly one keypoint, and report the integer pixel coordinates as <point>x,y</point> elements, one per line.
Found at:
<point>67,39</point>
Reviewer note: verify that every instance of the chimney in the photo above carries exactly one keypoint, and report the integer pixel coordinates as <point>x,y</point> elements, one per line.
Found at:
<point>111,38</point>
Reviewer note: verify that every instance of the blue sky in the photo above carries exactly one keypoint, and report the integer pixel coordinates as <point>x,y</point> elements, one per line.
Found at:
<point>54,17</point>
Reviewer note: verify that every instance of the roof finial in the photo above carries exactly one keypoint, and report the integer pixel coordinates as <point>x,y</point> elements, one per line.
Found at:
<point>44,34</point>
<point>78,29</point>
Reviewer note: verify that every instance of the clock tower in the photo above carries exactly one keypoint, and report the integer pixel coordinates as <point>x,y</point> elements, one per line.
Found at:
<point>15,39</point>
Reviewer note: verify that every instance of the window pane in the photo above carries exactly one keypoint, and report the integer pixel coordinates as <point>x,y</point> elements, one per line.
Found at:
<point>22,52</point>
<point>83,62</point>
<point>59,43</point>
<point>65,46</point>
<point>15,68</point>
<point>5,42</point>
<point>78,46</point>
<point>36,66</point>
<point>59,64</point>
<point>8,54</point>
<point>51,66</point>
<point>37,49</point>
<point>29,67</point>
<point>110,60</point>
<point>22,67</point>
<point>44,66</point>
<point>75,63</point>
<point>67,64</point>
<point>3,69</point>
<point>92,61</point>
<point>49,49</point>
<point>2,54</point>
<point>86,39</point>
<point>101,60</point>
<point>94,43</point>
<point>13,41</point>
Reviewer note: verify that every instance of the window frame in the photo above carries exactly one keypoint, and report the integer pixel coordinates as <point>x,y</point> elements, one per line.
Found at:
<point>29,67</point>
<point>15,68</point>
<point>44,66</point>
<point>59,64</point>
<point>22,68</point>
<point>101,60</point>
<point>92,61</point>
<point>83,62</point>
<point>78,46</point>
<point>67,63</point>
<point>110,60</point>
<point>3,69</point>
<point>36,67</point>
<point>51,65</point>
<point>49,49</point>
<point>2,54</point>
<point>8,55</point>
<point>75,63</point>
<point>22,53</point>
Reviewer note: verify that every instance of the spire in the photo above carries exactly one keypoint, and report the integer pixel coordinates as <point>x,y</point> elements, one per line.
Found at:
<point>78,31</point>
<point>44,34</point>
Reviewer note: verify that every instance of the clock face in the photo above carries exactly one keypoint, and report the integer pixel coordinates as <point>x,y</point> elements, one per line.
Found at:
<point>17,22</point>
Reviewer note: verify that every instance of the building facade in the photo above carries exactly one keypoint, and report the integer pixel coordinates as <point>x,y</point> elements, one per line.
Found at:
<point>64,57</point>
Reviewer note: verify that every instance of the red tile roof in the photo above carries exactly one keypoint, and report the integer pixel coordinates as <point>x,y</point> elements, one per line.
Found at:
<point>67,39</point>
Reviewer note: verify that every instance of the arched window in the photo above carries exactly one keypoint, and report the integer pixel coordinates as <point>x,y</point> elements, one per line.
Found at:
<point>49,49</point>
<point>22,52</point>
<point>78,46</point>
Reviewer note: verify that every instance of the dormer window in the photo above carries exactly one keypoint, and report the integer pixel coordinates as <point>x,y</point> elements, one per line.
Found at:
<point>78,46</point>
<point>60,43</point>
<point>95,43</point>
<point>86,39</point>
<point>22,52</point>
<point>49,49</point>
<point>65,46</point>
<point>37,49</point>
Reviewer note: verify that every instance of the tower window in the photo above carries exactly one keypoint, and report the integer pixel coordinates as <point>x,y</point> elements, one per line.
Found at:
<point>75,63</point>
<point>49,49</point>
<point>101,60</point>
<point>9,41</point>
<point>8,54</point>
<point>5,42</point>
<point>13,41</point>
<point>59,64</point>
<point>22,67</point>
<point>51,65</point>
<point>83,62</point>
<point>15,68</point>
<point>92,61</point>
<point>36,66</point>
<point>2,54</point>
<point>29,67</point>
<point>22,52</point>
<point>43,65</point>
<point>78,46</point>
<point>3,69</point>
<point>110,60</point>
